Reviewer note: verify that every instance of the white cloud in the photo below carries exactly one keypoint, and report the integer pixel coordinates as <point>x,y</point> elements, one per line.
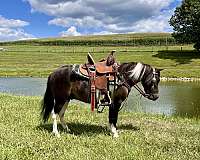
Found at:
<point>103,33</point>
<point>10,34</point>
<point>70,32</point>
<point>87,21</point>
<point>154,24</point>
<point>12,23</point>
<point>11,29</point>
<point>118,16</point>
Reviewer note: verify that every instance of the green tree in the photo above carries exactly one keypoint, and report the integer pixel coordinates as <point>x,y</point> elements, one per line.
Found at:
<point>186,23</point>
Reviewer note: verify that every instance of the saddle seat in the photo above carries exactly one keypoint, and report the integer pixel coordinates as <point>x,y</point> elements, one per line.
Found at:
<point>100,67</point>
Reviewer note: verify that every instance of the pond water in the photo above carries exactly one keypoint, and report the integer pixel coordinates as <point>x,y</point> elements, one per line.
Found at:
<point>23,86</point>
<point>176,98</point>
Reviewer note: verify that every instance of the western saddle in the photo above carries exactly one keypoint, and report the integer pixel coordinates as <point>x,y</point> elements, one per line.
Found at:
<point>101,75</point>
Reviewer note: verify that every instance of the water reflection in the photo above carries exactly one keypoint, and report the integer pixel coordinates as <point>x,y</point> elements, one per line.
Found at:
<point>176,98</point>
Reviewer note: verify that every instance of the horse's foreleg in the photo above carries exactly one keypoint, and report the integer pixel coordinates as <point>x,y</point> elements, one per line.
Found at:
<point>114,130</point>
<point>119,96</point>
<point>55,126</point>
<point>113,115</point>
<point>61,115</point>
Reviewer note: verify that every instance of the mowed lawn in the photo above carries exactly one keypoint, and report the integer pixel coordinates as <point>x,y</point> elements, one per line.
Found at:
<point>39,61</point>
<point>148,137</point>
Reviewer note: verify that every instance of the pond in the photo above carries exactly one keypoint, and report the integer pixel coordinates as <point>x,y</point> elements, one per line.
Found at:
<point>176,98</point>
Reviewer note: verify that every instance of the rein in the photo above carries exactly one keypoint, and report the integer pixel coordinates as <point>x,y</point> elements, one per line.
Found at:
<point>140,91</point>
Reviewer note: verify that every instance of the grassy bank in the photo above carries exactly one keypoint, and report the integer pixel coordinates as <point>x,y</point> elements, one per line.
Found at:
<point>142,136</point>
<point>39,61</point>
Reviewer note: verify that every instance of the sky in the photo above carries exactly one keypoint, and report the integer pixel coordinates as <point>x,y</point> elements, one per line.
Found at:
<point>27,19</point>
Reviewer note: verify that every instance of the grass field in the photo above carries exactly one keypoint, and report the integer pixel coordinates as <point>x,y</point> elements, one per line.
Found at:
<point>39,61</point>
<point>142,136</point>
<point>151,137</point>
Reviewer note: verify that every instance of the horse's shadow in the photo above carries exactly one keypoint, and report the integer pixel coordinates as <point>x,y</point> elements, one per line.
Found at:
<point>128,127</point>
<point>86,129</point>
<point>180,57</point>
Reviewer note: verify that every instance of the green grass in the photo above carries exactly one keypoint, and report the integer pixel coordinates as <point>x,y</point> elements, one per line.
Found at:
<point>40,61</point>
<point>142,136</point>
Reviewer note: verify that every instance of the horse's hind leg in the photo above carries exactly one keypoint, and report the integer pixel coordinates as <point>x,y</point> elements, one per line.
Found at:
<point>59,109</point>
<point>61,115</point>
<point>55,126</point>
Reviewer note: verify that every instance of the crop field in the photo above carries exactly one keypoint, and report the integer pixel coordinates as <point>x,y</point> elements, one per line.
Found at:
<point>23,136</point>
<point>39,61</point>
<point>136,39</point>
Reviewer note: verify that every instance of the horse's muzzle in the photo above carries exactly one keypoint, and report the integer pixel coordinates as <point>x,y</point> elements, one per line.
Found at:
<point>153,97</point>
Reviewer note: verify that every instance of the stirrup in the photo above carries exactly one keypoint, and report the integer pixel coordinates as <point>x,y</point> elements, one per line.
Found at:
<point>101,106</point>
<point>106,101</point>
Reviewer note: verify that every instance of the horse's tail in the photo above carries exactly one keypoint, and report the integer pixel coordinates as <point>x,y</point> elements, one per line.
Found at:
<point>47,103</point>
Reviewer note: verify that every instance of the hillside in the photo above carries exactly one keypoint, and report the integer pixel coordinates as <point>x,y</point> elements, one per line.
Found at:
<point>134,39</point>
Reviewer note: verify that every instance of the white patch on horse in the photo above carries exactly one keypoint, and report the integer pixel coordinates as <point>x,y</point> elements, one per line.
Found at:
<point>154,74</point>
<point>136,71</point>
<point>55,126</point>
<point>114,131</point>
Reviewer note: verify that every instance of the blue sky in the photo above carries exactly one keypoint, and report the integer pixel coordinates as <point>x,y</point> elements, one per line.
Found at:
<point>24,19</point>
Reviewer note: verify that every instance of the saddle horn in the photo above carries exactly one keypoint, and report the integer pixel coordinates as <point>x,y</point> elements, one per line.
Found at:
<point>112,52</point>
<point>111,58</point>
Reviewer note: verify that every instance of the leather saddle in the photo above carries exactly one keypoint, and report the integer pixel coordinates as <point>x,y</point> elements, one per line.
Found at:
<point>105,70</point>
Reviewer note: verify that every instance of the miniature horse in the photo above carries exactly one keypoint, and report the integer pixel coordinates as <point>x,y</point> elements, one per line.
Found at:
<point>65,84</point>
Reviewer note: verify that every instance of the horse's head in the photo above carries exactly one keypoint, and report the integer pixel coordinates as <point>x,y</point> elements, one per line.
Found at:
<point>150,82</point>
<point>132,73</point>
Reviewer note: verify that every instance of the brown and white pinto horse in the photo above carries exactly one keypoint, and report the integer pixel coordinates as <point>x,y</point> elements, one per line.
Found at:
<point>65,84</point>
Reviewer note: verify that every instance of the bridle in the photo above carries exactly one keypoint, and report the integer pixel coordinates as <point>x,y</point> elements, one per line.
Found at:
<point>135,85</point>
<point>140,90</point>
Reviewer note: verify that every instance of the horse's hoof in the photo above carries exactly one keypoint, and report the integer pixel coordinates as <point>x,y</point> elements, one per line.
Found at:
<point>67,130</point>
<point>56,134</point>
<point>116,135</point>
